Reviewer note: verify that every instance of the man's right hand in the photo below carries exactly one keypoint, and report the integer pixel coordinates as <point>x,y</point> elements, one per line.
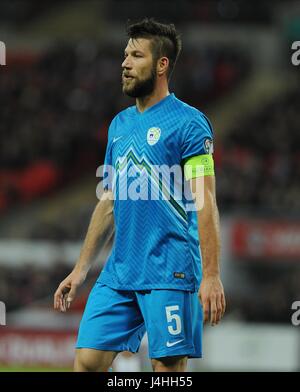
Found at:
<point>66,291</point>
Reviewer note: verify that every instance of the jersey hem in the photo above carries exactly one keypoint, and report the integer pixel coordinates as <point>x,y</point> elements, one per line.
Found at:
<point>164,286</point>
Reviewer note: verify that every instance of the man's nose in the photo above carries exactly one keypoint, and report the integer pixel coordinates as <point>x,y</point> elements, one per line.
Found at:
<point>126,63</point>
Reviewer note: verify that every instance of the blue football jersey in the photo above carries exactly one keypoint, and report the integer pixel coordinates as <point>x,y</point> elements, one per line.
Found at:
<point>156,244</point>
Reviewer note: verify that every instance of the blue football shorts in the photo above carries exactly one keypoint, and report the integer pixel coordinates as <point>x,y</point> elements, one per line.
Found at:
<point>116,320</point>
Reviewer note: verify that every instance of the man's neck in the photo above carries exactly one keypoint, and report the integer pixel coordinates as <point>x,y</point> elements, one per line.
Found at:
<point>146,102</point>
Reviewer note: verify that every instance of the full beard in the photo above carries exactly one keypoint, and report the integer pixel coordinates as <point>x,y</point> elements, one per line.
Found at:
<point>141,88</point>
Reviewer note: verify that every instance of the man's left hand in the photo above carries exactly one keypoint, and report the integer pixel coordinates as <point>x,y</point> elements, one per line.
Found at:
<point>212,298</point>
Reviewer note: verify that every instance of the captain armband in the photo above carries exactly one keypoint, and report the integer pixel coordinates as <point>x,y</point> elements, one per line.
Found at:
<point>199,166</point>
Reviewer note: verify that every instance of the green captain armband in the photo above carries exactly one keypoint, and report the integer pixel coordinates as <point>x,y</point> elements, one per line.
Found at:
<point>199,166</point>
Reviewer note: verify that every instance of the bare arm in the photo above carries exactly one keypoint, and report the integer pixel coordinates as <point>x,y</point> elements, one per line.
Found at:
<point>211,292</point>
<point>101,220</point>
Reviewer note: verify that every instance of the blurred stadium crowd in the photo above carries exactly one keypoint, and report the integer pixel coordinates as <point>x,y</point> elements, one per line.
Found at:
<point>20,13</point>
<point>58,107</point>
<point>259,167</point>
<point>23,286</point>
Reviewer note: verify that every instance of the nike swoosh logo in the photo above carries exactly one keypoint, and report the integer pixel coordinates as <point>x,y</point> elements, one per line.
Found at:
<point>116,139</point>
<point>173,343</point>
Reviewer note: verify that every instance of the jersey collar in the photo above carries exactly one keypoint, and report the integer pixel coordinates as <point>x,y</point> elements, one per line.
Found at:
<point>156,106</point>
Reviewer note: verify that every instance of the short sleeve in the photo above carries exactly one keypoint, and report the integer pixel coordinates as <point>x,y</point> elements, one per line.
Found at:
<point>197,137</point>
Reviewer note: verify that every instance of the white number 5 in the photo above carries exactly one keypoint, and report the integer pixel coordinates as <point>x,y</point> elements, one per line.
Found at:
<point>175,317</point>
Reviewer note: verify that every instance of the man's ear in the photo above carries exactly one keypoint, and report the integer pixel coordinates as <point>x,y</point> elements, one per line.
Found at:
<point>162,66</point>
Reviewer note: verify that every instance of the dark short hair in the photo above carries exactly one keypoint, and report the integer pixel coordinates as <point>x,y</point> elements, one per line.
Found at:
<point>165,40</point>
